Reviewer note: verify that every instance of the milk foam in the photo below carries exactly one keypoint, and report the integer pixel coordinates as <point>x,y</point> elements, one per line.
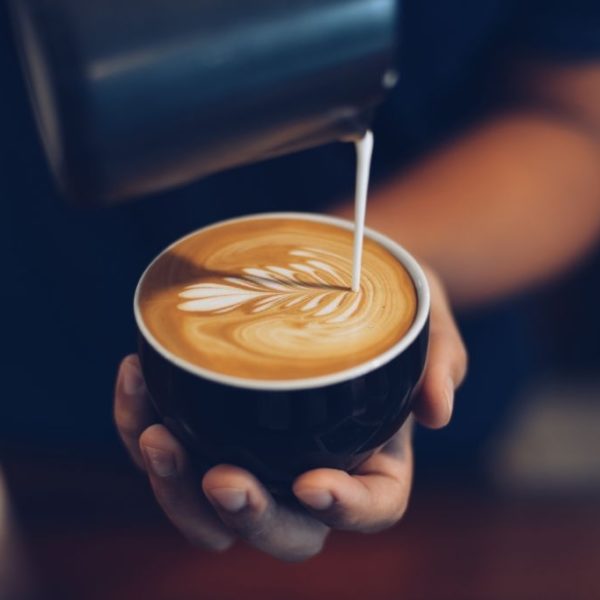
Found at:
<point>271,299</point>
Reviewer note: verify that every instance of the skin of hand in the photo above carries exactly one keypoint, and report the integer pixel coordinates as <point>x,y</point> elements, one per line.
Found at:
<point>512,202</point>
<point>229,503</point>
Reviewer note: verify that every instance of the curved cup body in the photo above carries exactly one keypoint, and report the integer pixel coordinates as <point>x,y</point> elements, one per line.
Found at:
<point>279,429</point>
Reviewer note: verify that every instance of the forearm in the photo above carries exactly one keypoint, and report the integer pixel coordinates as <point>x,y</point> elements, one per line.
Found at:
<point>510,204</point>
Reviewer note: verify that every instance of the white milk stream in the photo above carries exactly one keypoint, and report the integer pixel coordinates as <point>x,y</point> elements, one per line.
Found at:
<point>364,153</point>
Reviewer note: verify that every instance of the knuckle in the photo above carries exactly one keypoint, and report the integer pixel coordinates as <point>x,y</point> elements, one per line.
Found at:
<point>462,363</point>
<point>459,346</point>
<point>449,339</point>
<point>450,350</point>
<point>126,423</point>
<point>437,336</point>
<point>131,359</point>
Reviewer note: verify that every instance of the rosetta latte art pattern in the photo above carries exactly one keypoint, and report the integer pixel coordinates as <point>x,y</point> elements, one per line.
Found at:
<point>271,299</point>
<point>304,284</point>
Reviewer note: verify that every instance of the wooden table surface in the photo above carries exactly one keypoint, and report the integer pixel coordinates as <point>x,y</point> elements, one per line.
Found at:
<point>95,534</point>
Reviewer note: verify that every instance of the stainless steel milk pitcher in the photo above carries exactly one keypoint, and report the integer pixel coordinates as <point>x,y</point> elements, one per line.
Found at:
<point>136,96</point>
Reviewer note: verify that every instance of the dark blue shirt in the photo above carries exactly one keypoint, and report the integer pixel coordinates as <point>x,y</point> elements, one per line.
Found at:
<point>68,276</point>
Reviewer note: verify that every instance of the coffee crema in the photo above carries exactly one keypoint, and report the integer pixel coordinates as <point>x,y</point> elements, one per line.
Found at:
<point>270,299</point>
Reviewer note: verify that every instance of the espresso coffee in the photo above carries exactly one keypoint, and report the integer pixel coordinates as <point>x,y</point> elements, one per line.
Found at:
<point>269,298</point>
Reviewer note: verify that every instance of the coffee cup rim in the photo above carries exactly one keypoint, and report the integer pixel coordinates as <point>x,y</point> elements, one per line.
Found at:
<point>415,271</point>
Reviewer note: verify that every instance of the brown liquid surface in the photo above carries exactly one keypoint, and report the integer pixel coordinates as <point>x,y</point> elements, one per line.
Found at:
<point>270,299</point>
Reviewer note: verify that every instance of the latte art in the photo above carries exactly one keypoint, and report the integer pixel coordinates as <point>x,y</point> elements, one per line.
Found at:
<point>271,299</point>
<point>307,285</point>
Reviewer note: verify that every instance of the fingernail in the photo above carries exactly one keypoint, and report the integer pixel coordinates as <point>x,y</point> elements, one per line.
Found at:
<point>316,499</point>
<point>133,382</point>
<point>162,463</point>
<point>450,395</point>
<point>229,499</point>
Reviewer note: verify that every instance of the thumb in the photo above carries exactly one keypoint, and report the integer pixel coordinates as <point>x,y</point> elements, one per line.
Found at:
<point>446,362</point>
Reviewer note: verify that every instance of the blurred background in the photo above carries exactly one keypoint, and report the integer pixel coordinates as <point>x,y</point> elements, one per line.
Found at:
<point>506,501</point>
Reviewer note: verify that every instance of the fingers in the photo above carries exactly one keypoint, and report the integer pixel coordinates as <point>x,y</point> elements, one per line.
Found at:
<point>246,507</point>
<point>240,505</point>
<point>132,410</point>
<point>373,499</point>
<point>446,363</point>
<point>178,491</point>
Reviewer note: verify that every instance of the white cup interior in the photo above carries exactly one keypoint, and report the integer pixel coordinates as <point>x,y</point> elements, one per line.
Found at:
<point>404,257</point>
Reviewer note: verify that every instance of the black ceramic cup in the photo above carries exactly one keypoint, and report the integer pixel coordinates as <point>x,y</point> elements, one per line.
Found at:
<point>280,429</point>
